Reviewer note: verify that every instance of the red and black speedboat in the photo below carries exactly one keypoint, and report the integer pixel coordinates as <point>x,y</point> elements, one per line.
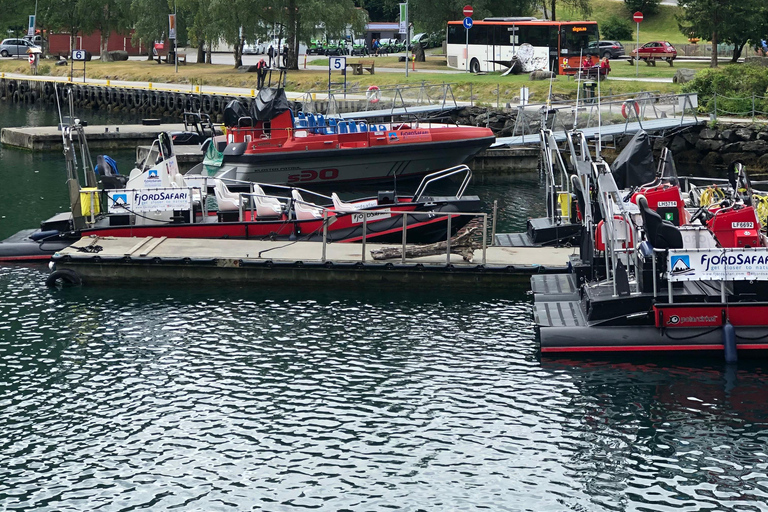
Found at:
<point>673,281</point>
<point>269,144</point>
<point>160,202</point>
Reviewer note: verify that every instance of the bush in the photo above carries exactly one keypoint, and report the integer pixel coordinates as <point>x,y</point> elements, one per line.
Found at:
<point>735,84</point>
<point>616,28</point>
<point>43,69</point>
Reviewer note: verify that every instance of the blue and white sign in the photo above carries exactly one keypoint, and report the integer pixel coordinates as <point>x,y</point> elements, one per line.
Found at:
<point>151,200</point>
<point>337,63</point>
<point>718,265</point>
<point>467,23</point>
<point>78,54</point>
<point>31,26</point>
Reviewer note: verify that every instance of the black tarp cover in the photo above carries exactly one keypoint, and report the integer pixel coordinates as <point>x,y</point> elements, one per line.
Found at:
<point>269,103</point>
<point>634,165</point>
<point>234,110</point>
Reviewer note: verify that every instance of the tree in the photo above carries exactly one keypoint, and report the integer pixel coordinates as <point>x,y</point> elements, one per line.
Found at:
<point>433,15</point>
<point>647,7</point>
<point>718,21</point>
<point>107,16</point>
<point>151,21</point>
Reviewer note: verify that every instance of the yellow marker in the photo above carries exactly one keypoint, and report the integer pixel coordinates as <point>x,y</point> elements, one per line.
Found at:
<point>150,85</point>
<point>253,93</point>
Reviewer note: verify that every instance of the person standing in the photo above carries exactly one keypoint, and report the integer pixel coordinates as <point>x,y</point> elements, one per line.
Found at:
<point>271,54</point>
<point>285,56</point>
<point>261,73</point>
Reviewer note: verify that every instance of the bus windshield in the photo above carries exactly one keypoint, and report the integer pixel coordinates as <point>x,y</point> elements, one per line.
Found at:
<point>576,39</point>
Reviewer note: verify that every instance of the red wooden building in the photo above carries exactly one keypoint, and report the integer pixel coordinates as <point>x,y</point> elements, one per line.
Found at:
<point>59,43</point>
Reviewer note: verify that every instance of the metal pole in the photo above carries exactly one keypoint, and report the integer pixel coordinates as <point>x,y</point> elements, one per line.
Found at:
<point>407,38</point>
<point>466,55</point>
<point>485,235</point>
<point>365,232</point>
<point>176,39</point>
<point>637,56</point>
<point>325,232</point>
<point>493,224</point>
<point>405,233</point>
<point>448,242</point>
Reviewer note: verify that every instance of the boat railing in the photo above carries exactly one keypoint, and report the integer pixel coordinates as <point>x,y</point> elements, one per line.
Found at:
<point>449,216</point>
<point>442,174</point>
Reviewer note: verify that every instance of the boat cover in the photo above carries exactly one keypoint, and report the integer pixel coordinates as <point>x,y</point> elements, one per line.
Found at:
<point>234,110</point>
<point>269,103</point>
<point>634,165</point>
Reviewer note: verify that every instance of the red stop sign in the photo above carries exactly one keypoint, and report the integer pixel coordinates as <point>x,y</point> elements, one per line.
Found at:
<point>638,17</point>
<point>468,11</point>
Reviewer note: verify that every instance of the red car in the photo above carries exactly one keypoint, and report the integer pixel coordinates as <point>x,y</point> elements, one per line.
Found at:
<point>656,50</point>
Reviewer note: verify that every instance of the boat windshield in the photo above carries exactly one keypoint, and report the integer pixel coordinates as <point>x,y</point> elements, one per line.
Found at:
<point>667,170</point>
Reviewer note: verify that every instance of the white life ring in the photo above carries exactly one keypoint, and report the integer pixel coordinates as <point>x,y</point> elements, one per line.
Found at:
<point>373,94</point>
<point>31,58</point>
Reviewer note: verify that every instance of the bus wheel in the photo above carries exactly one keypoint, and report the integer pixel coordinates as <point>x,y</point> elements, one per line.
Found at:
<point>474,66</point>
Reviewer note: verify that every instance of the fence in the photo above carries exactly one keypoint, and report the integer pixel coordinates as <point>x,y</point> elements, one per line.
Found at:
<point>752,106</point>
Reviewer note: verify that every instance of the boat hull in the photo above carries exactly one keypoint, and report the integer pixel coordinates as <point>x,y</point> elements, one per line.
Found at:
<point>374,163</point>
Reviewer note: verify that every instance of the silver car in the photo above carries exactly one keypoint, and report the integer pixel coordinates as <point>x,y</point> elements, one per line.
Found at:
<point>15,47</point>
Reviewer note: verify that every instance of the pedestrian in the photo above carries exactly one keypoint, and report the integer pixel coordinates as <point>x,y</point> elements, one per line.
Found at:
<point>605,66</point>
<point>261,73</point>
<point>376,46</point>
<point>285,56</point>
<point>271,54</point>
<point>764,47</point>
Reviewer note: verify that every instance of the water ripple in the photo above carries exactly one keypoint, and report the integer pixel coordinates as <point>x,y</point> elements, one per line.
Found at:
<point>116,400</point>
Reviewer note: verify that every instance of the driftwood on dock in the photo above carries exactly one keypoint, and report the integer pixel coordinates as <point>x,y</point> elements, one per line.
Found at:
<point>463,244</point>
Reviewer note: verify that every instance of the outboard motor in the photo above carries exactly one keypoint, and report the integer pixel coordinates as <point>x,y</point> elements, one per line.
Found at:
<point>109,176</point>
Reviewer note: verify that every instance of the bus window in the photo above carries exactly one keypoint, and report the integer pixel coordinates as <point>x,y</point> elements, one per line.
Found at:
<point>478,34</point>
<point>456,34</point>
<point>535,35</point>
<point>575,39</point>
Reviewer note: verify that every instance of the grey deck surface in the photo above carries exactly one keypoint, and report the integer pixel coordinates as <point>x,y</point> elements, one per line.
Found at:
<point>559,314</point>
<point>387,112</point>
<point>649,125</point>
<point>283,251</point>
<point>554,288</point>
<point>513,240</point>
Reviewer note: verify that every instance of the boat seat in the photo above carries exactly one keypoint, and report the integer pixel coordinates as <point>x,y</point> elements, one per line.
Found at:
<point>343,127</point>
<point>266,206</point>
<point>320,124</point>
<point>227,201</point>
<point>382,128</point>
<point>363,127</point>
<point>662,234</point>
<point>179,181</point>
<point>135,173</point>
<point>331,127</point>
<point>304,210</point>
<point>352,127</point>
<point>342,206</point>
<point>311,122</point>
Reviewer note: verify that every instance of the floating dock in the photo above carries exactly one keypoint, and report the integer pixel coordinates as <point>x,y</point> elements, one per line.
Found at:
<point>250,262</point>
<point>116,136</point>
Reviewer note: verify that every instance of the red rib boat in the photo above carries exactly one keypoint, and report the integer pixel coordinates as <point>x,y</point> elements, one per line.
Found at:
<point>268,144</point>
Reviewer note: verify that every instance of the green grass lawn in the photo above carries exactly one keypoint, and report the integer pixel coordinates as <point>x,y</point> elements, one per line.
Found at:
<point>622,68</point>
<point>660,27</point>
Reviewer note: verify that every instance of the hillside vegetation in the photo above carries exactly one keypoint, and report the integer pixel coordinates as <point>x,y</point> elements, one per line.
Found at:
<point>660,27</point>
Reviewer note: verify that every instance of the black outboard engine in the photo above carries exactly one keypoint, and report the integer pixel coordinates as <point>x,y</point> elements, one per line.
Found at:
<point>109,176</point>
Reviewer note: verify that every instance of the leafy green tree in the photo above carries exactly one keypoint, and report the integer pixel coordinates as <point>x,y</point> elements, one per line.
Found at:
<point>433,15</point>
<point>647,7</point>
<point>107,16</point>
<point>725,21</point>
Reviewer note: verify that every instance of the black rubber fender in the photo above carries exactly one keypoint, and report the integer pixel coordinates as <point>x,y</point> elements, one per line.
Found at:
<point>63,278</point>
<point>131,100</point>
<point>12,86</point>
<point>216,105</point>
<point>170,101</point>
<point>154,100</point>
<point>16,97</point>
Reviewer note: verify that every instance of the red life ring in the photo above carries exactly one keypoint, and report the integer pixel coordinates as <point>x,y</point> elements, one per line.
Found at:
<point>373,94</point>
<point>624,108</point>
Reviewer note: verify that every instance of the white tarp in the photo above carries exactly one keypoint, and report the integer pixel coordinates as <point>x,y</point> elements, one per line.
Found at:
<point>149,200</point>
<point>718,265</point>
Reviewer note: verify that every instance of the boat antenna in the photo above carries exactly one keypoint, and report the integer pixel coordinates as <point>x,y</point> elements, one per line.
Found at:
<point>598,148</point>
<point>70,157</point>
<point>578,90</point>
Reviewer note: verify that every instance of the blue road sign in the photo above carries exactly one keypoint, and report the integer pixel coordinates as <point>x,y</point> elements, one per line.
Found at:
<point>467,23</point>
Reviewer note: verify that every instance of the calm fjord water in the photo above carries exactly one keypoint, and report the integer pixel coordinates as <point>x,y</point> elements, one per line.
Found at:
<point>122,398</point>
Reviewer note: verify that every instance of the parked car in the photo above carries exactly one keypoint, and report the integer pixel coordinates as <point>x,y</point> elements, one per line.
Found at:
<point>15,47</point>
<point>656,49</point>
<point>422,38</point>
<point>610,49</point>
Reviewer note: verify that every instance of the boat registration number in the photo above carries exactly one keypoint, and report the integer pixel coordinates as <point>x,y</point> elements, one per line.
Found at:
<point>667,204</point>
<point>357,218</point>
<point>742,225</point>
